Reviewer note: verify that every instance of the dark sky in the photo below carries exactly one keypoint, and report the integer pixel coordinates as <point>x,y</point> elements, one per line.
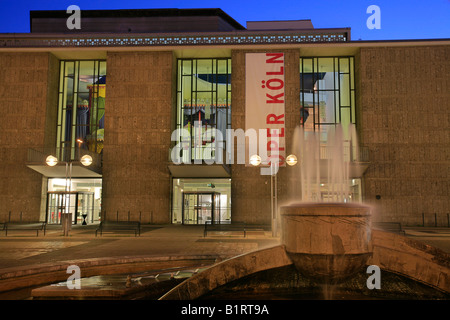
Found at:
<point>400,19</point>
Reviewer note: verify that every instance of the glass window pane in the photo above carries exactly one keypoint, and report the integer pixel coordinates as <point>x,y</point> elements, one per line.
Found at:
<point>343,65</point>
<point>325,75</point>
<point>327,107</point>
<point>221,94</point>
<point>204,66</point>
<point>186,91</point>
<point>86,78</point>
<point>345,90</point>
<point>58,135</point>
<point>75,77</point>
<point>61,76</point>
<point>352,74</point>
<point>69,65</point>
<point>60,106</point>
<point>337,104</point>
<point>353,107</point>
<point>204,75</point>
<point>187,67</point>
<point>204,82</point>
<point>102,71</point>
<point>307,65</point>
<point>345,117</point>
<point>203,98</point>
<point>325,65</point>
<point>324,81</point>
<point>308,119</point>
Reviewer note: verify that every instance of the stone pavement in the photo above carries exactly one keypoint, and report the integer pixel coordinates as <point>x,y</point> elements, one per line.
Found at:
<point>22,248</point>
<point>438,237</point>
<point>22,253</point>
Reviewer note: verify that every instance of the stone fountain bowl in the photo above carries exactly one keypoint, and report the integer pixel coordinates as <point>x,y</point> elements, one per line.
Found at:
<point>328,242</point>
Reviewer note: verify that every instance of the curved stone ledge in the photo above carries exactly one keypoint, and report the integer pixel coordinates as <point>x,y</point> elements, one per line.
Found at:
<point>227,271</point>
<point>411,258</point>
<point>34,275</point>
<point>391,252</point>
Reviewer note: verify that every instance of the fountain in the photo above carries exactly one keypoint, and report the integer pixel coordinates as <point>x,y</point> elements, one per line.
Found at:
<point>328,242</point>
<point>327,239</point>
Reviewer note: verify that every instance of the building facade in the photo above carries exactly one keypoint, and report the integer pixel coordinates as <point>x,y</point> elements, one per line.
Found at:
<point>156,98</point>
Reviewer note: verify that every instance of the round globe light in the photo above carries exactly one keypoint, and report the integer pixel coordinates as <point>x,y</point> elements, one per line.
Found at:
<point>86,160</point>
<point>255,160</point>
<point>51,161</point>
<point>291,160</point>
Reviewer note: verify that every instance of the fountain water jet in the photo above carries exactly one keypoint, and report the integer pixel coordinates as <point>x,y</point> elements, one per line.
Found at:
<point>327,239</point>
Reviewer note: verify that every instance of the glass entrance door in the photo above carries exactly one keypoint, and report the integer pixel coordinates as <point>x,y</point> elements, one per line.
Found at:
<point>190,208</point>
<point>80,204</point>
<point>199,208</point>
<point>57,202</point>
<point>85,207</point>
<point>204,208</point>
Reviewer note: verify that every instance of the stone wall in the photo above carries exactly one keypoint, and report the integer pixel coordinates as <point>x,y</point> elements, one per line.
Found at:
<point>137,136</point>
<point>250,191</point>
<point>403,117</point>
<point>28,93</point>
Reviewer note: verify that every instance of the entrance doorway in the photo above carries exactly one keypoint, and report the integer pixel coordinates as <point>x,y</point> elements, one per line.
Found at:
<point>201,207</point>
<point>83,201</point>
<point>80,204</point>
<point>201,200</point>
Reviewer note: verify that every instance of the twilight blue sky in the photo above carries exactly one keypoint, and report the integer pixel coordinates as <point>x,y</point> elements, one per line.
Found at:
<point>400,19</point>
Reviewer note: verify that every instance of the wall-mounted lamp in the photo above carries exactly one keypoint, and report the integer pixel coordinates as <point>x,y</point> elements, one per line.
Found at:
<point>291,160</point>
<point>255,160</point>
<point>51,161</point>
<point>86,160</point>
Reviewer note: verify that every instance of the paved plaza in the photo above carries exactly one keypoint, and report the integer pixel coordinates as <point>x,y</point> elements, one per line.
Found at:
<point>22,248</point>
<point>23,251</point>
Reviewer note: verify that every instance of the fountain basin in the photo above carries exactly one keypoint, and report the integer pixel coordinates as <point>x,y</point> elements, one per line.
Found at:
<point>328,242</point>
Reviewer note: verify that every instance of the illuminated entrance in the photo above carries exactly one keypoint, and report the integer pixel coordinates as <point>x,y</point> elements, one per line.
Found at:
<point>201,208</point>
<point>84,202</point>
<point>200,201</point>
<point>81,203</point>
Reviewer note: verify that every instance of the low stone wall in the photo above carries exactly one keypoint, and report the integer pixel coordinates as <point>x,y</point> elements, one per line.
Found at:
<point>227,271</point>
<point>28,276</point>
<point>391,252</point>
<point>411,258</point>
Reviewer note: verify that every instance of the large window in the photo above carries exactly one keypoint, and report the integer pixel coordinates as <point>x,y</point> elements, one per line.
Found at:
<point>327,115</point>
<point>81,107</point>
<point>327,93</point>
<point>203,108</point>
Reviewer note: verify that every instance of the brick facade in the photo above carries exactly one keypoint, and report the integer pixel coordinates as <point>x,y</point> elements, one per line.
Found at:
<point>28,93</point>
<point>403,110</point>
<point>138,120</point>
<point>402,117</point>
